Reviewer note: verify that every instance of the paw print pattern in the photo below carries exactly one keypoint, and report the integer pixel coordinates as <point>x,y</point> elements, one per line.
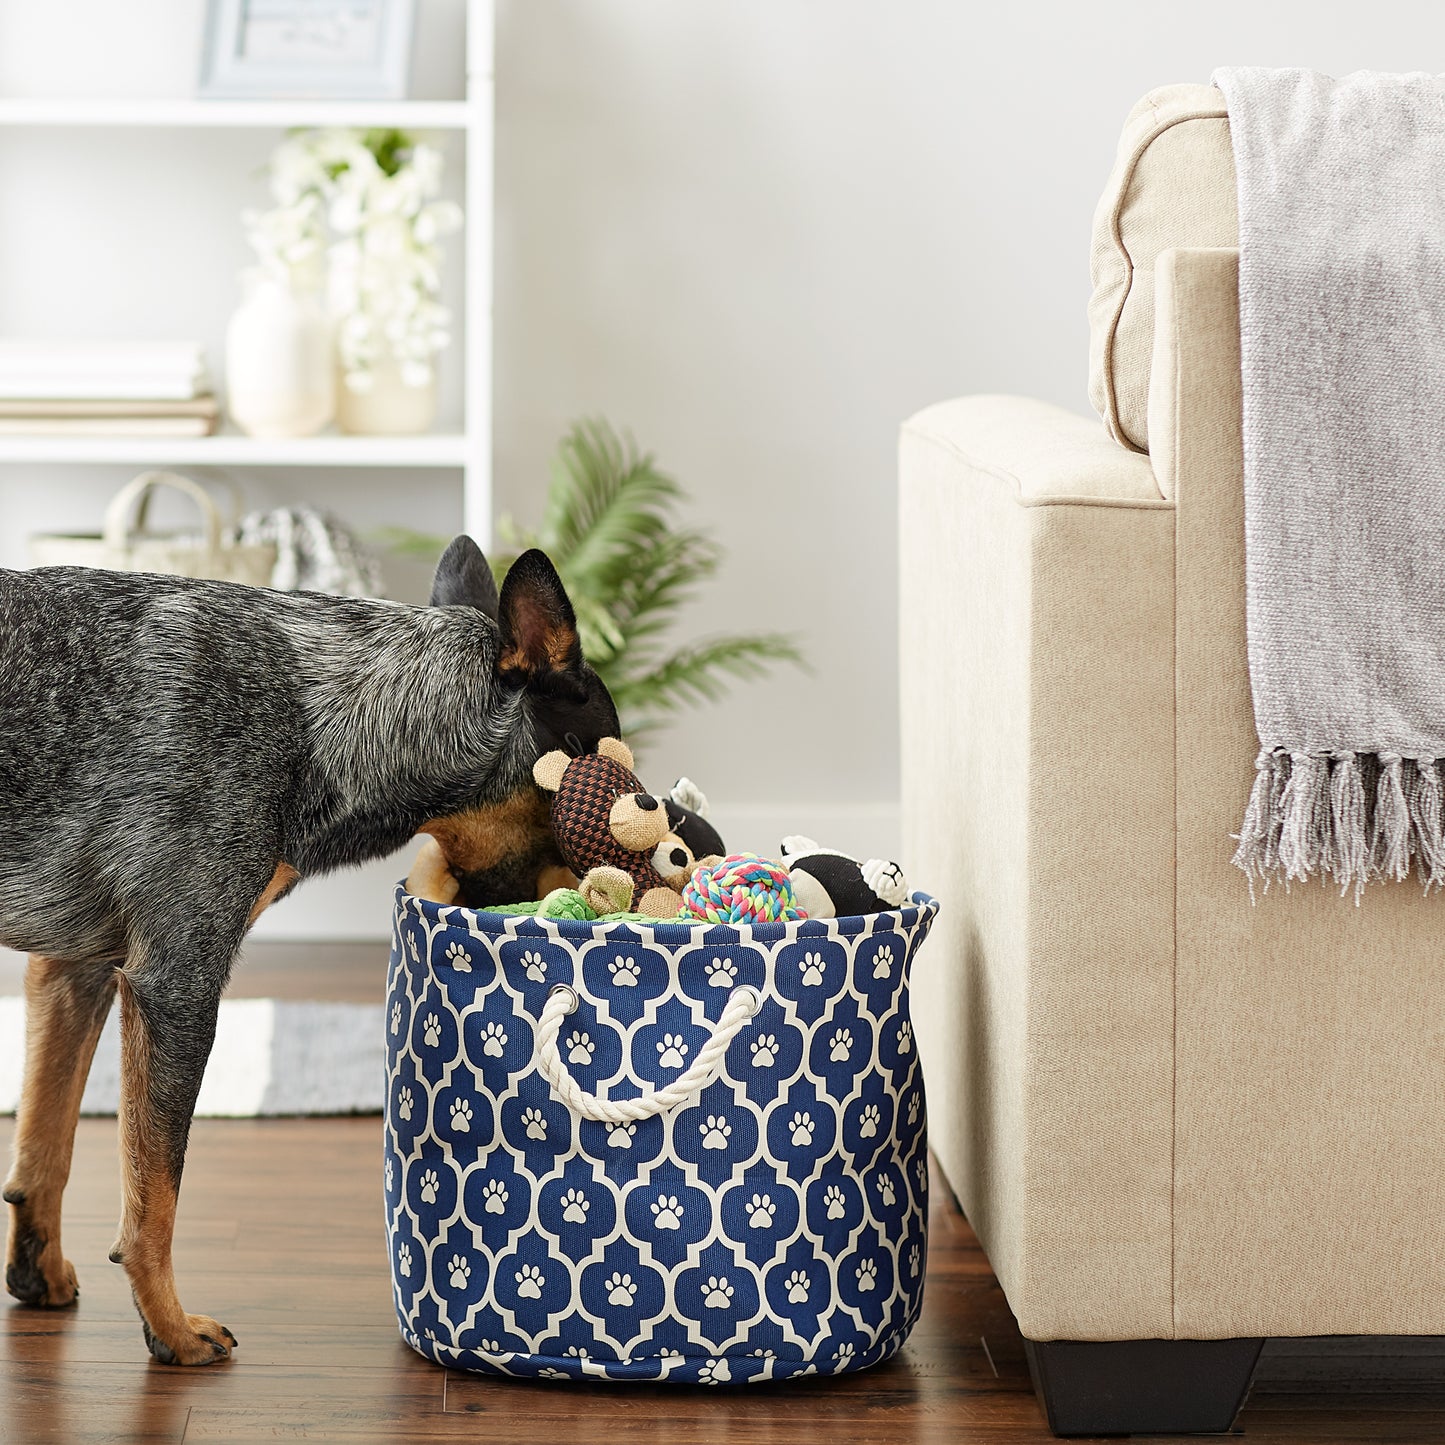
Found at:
<point>672,1051</point>
<point>867,1276</point>
<point>624,971</point>
<point>494,1197</point>
<point>461,1272</point>
<point>535,1124</point>
<point>529,1282</point>
<point>883,962</point>
<point>459,958</point>
<point>920,1173</point>
<point>429,1185</point>
<point>431,1031</point>
<point>812,969</point>
<point>714,1372</point>
<point>534,966</point>
<point>868,1129</point>
<point>494,1040</point>
<point>761,1210</point>
<point>885,1189</point>
<point>621,1290</point>
<point>715,1131</point>
<point>797,1288</point>
<point>403,1261</point>
<point>765,1051</point>
<point>396,1017</point>
<point>462,1117</point>
<point>802,1128</point>
<point>840,1046</point>
<point>620,1136</point>
<point>667,1212</point>
<point>551,1372</point>
<point>913,1107</point>
<point>914,1260</point>
<point>580,1048</point>
<point>719,1293</point>
<point>905,1037</point>
<point>575,1205</point>
<point>844,1353</point>
<point>833,1199</point>
<point>390,1175</point>
<point>721,973</point>
<point>404,1102</point>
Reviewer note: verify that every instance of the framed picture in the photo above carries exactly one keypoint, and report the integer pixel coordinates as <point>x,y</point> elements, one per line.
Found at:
<point>307,49</point>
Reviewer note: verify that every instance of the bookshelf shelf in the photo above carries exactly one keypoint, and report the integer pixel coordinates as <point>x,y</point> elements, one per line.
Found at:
<point>431,450</point>
<point>273,114</point>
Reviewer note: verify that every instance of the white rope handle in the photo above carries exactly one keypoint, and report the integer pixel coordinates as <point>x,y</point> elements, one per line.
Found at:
<point>742,1004</point>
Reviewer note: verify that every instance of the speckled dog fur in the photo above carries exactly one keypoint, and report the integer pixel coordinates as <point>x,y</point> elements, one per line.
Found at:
<point>174,754</point>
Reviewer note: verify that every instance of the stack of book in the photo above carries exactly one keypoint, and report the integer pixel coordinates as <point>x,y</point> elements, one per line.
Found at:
<point>105,388</point>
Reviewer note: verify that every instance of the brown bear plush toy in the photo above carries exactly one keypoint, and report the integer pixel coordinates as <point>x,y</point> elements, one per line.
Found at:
<point>612,832</point>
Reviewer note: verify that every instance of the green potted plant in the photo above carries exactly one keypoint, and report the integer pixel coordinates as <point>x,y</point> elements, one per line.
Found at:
<point>610,526</point>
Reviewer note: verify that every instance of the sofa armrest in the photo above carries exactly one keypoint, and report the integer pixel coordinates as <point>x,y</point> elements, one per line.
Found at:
<point>1040,453</point>
<point>1037,714</point>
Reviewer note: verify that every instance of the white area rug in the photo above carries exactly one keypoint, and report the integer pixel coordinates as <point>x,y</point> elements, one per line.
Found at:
<point>272,1057</point>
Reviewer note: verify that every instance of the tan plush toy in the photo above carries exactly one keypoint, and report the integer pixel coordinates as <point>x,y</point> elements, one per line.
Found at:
<point>613,833</point>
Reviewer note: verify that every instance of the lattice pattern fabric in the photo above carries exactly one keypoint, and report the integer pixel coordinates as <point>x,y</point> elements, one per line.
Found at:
<point>772,1225</point>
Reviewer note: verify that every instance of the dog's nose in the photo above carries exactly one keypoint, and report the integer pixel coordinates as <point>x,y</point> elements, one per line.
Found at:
<point>646,802</point>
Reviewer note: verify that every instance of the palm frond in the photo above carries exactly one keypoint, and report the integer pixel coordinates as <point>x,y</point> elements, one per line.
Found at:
<point>608,526</point>
<point>697,673</point>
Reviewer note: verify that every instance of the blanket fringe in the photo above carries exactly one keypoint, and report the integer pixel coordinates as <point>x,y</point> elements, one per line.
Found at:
<point>1354,818</point>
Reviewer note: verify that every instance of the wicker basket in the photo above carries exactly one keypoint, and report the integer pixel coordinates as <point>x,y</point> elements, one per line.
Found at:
<point>124,545</point>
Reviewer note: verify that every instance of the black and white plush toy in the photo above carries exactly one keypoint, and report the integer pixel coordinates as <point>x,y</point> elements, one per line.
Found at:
<point>830,884</point>
<point>686,808</point>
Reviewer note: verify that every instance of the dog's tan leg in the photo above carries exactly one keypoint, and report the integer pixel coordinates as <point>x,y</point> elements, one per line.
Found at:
<point>65,1009</point>
<point>165,1042</point>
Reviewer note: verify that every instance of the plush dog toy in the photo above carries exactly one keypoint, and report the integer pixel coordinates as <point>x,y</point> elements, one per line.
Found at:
<point>686,808</point>
<point>613,833</point>
<point>829,884</point>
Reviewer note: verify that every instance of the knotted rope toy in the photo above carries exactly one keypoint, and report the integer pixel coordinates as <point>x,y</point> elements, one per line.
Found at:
<point>741,888</point>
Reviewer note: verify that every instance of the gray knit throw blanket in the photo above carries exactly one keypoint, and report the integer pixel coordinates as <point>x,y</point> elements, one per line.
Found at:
<point>1342,322</point>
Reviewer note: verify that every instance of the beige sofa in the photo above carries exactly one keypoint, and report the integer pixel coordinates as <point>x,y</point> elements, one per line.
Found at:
<point>1180,1121</point>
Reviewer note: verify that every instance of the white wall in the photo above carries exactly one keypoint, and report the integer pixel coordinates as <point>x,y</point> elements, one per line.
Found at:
<point>758,233</point>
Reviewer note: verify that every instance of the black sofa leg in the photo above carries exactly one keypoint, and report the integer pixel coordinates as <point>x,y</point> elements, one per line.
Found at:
<point>1146,1387</point>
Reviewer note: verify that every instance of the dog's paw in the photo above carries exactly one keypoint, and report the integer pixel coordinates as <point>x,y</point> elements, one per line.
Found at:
<point>38,1274</point>
<point>203,1341</point>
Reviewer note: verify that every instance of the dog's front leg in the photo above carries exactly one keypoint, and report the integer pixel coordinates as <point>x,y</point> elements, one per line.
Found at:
<point>65,1009</point>
<point>168,1024</point>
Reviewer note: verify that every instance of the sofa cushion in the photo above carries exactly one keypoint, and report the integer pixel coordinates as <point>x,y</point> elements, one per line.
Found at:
<point>1172,186</point>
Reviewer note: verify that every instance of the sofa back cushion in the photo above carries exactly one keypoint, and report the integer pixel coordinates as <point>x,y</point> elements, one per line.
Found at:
<point>1172,186</point>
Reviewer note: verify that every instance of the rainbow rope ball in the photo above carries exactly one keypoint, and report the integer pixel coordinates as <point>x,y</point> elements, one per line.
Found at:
<point>742,888</point>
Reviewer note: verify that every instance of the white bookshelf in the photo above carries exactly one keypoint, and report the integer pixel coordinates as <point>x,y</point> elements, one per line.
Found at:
<point>273,114</point>
<point>233,449</point>
<point>454,456</point>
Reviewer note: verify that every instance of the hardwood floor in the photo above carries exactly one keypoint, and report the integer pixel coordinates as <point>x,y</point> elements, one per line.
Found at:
<point>280,1236</point>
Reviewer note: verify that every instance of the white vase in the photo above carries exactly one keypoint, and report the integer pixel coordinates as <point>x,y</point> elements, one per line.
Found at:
<point>279,378</point>
<point>388,407</point>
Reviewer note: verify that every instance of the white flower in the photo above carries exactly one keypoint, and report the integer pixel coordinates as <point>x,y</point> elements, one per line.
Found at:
<point>384,263</point>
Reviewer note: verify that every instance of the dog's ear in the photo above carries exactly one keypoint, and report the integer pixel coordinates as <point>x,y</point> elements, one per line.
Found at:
<point>539,627</point>
<point>464,579</point>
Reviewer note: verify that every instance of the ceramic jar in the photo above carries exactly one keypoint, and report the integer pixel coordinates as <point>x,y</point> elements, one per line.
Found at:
<point>279,372</point>
<point>389,406</point>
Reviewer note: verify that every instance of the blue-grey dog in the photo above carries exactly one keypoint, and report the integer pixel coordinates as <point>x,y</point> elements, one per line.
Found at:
<point>174,755</point>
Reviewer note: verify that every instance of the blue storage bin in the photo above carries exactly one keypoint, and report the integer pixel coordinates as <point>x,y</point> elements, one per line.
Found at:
<point>679,1152</point>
